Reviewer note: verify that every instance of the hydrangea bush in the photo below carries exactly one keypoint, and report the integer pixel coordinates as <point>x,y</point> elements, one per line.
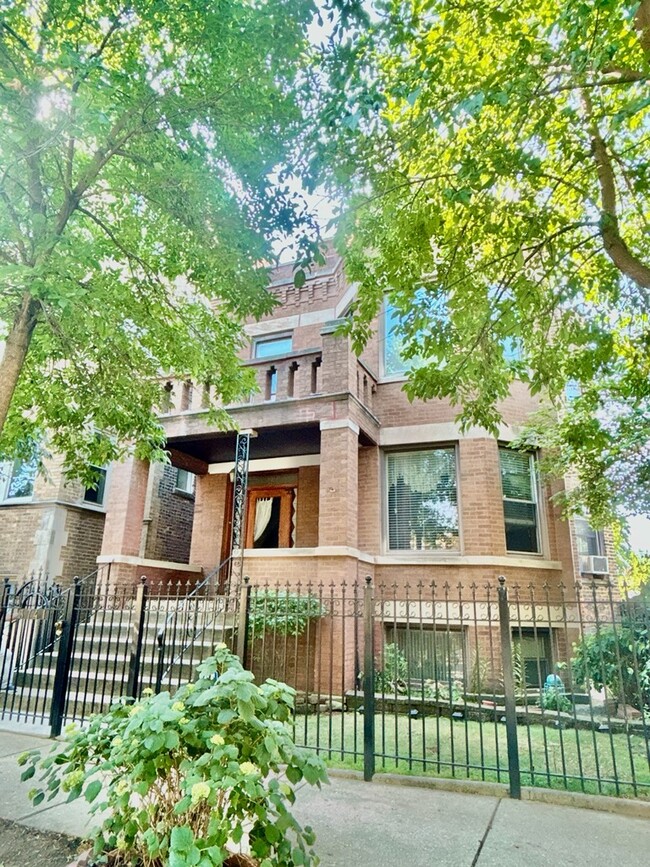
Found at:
<point>191,778</point>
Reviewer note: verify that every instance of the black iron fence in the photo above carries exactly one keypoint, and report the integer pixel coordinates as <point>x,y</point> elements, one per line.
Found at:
<point>97,642</point>
<point>530,687</point>
<point>525,686</point>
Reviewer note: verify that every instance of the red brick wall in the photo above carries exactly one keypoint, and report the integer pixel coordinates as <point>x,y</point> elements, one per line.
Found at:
<point>125,502</point>
<point>307,507</point>
<point>209,517</point>
<point>338,503</point>
<point>84,531</point>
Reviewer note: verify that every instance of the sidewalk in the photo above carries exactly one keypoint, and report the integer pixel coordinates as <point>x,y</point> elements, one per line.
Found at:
<point>377,825</point>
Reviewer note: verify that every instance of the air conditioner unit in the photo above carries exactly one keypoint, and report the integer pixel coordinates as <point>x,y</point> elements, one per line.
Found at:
<point>594,565</point>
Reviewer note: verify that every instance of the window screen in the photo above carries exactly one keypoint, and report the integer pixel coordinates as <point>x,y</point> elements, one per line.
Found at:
<point>519,500</point>
<point>422,502</point>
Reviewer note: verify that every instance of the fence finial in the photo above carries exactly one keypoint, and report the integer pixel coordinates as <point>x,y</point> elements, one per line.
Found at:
<point>502,580</point>
<point>368,579</point>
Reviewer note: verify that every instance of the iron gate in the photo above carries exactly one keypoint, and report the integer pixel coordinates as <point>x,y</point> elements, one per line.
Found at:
<point>65,655</point>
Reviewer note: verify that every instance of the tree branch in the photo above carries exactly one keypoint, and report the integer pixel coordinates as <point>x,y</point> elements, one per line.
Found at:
<point>16,36</point>
<point>642,26</point>
<point>615,247</point>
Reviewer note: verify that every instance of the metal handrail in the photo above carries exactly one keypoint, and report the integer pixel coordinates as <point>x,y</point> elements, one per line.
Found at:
<point>173,615</point>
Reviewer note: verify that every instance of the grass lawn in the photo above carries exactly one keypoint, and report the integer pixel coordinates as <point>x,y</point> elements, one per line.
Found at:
<point>577,760</point>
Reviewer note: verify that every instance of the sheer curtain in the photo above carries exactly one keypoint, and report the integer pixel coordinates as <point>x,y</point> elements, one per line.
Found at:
<point>263,508</point>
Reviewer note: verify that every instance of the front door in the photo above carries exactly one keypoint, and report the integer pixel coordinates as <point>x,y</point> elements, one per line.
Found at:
<point>270,518</point>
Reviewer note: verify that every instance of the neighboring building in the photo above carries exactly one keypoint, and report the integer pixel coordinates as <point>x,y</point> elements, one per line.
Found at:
<point>48,526</point>
<point>347,478</point>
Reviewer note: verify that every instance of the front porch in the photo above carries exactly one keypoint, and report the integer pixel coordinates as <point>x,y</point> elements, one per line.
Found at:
<point>297,517</point>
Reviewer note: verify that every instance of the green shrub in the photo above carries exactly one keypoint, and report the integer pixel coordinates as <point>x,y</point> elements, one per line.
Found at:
<point>392,673</point>
<point>443,690</point>
<point>554,698</point>
<point>185,776</point>
<point>282,612</point>
<point>618,659</point>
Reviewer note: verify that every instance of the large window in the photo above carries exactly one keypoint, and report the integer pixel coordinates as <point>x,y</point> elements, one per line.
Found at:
<point>520,510</point>
<point>422,501</point>
<point>271,347</point>
<point>19,479</point>
<point>532,656</point>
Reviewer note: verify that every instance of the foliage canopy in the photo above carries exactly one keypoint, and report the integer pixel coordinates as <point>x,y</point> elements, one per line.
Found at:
<point>494,159</point>
<point>144,159</point>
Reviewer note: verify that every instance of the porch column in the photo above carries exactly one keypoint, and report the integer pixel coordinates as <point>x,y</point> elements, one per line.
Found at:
<point>210,499</point>
<point>125,507</point>
<point>339,483</point>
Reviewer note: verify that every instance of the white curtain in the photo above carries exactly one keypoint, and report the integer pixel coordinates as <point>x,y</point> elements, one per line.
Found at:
<point>263,508</point>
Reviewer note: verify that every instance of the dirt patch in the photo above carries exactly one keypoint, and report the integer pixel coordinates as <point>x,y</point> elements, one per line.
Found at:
<point>26,847</point>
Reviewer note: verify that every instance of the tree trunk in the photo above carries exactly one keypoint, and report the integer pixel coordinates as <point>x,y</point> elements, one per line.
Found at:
<point>16,348</point>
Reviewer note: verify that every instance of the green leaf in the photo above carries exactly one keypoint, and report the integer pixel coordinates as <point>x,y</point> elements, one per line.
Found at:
<point>299,278</point>
<point>294,774</point>
<point>181,838</point>
<point>92,790</point>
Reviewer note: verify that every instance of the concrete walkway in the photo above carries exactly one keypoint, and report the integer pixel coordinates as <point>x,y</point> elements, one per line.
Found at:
<point>377,825</point>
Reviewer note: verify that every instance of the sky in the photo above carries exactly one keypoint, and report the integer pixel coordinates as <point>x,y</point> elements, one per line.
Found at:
<point>639,532</point>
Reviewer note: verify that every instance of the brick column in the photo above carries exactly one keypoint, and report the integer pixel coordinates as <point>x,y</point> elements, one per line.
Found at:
<point>338,499</point>
<point>369,519</point>
<point>339,366</point>
<point>210,496</point>
<point>481,497</point>
<point>125,503</point>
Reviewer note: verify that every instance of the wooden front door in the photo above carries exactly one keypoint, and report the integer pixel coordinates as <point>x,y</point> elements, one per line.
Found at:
<point>270,517</point>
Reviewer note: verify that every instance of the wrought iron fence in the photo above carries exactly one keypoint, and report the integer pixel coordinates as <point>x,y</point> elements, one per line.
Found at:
<point>69,654</point>
<point>546,686</point>
<point>528,686</point>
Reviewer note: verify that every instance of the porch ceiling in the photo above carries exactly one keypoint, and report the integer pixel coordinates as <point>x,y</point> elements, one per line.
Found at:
<point>270,442</point>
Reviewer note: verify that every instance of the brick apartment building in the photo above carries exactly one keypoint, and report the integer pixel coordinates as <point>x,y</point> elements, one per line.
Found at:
<point>347,478</point>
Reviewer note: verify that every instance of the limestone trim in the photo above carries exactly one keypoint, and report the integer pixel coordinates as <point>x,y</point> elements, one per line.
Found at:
<point>290,323</point>
<point>129,560</point>
<point>37,504</point>
<point>400,560</point>
<point>261,465</point>
<point>339,423</point>
<point>438,432</point>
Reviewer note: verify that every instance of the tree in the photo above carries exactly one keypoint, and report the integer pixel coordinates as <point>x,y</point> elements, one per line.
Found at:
<point>493,158</point>
<point>144,156</point>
